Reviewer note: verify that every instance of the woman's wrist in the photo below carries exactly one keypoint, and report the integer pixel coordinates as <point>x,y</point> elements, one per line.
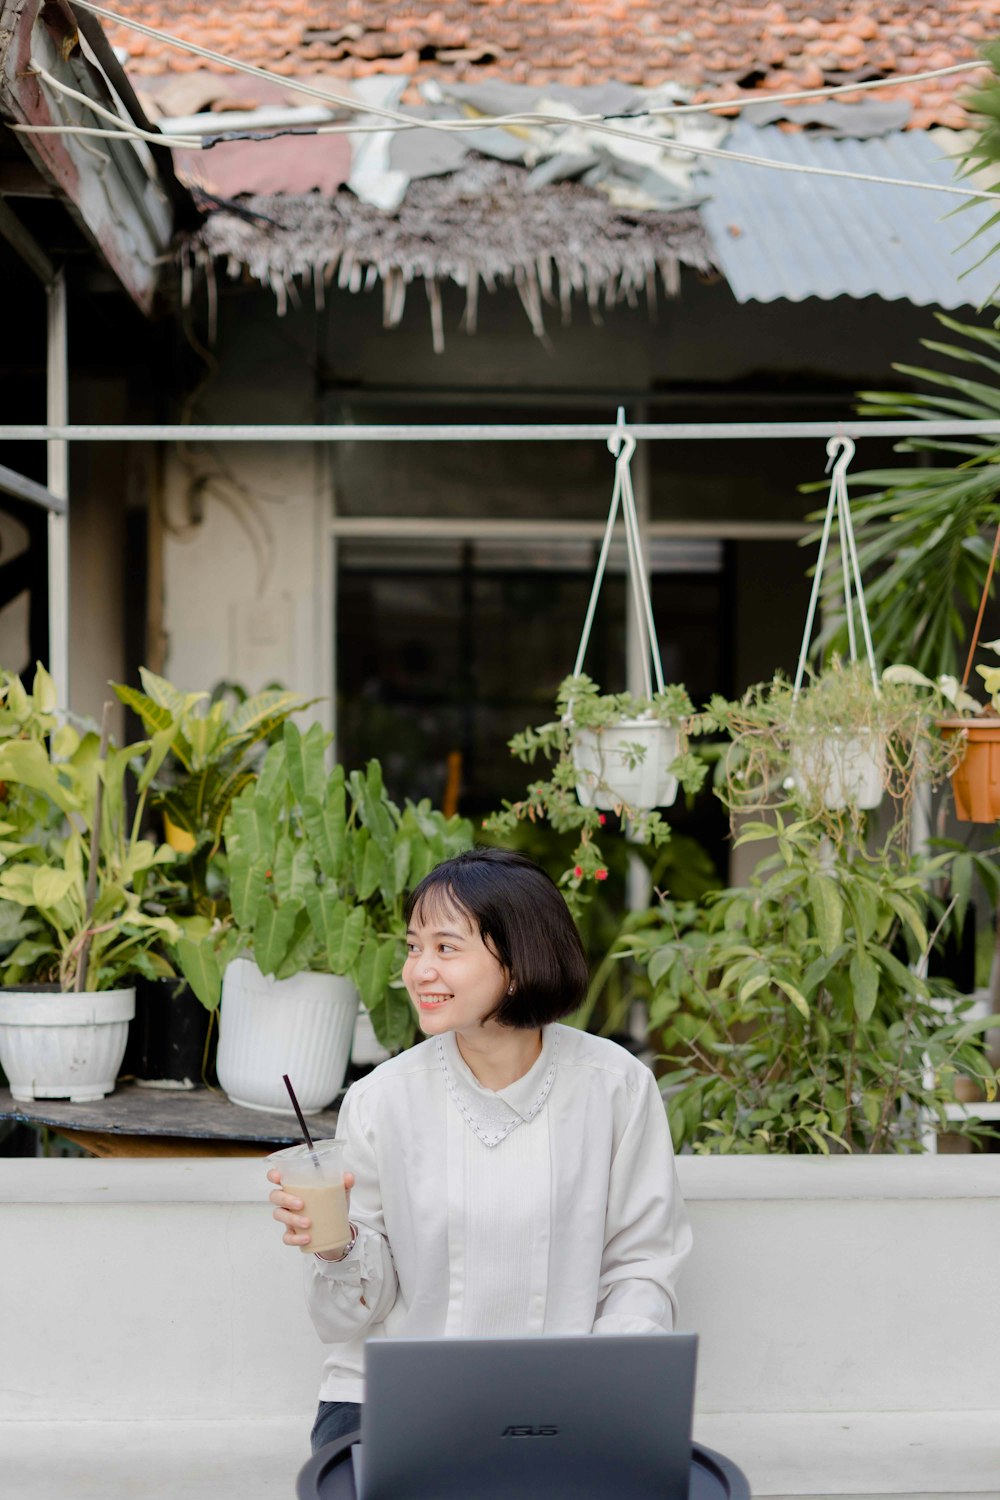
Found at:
<point>336,1259</point>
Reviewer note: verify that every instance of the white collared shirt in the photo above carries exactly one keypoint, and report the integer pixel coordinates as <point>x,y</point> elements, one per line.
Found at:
<point>550,1206</point>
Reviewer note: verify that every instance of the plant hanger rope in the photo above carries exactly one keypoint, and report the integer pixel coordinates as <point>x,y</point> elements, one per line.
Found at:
<point>838,502</point>
<point>621,443</point>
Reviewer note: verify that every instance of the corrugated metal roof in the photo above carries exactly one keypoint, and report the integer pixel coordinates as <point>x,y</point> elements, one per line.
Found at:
<point>785,234</point>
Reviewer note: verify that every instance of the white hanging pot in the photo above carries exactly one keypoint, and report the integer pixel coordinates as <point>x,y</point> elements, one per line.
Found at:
<point>843,770</point>
<point>267,1027</point>
<point>63,1046</point>
<point>608,772</point>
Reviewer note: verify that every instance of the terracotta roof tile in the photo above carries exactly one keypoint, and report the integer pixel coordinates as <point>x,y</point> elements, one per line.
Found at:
<point>711,46</point>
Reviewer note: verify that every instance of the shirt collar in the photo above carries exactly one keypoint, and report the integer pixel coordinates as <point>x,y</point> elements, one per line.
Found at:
<point>493,1114</point>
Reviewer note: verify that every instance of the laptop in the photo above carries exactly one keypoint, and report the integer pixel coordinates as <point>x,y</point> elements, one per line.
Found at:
<point>577,1418</point>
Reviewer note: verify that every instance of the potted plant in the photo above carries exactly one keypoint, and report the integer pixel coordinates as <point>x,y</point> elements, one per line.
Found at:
<point>832,751</point>
<point>610,753</point>
<point>75,871</point>
<point>319,864</point>
<point>794,1015</point>
<point>975,732</point>
<point>214,747</point>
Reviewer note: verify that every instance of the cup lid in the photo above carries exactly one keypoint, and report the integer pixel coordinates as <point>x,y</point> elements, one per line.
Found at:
<point>302,1152</point>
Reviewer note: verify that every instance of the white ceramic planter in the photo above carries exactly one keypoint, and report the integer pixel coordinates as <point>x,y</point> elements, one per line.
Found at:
<point>55,1046</point>
<point>846,770</point>
<point>366,1049</point>
<point>605,779</point>
<point>267,1027</point>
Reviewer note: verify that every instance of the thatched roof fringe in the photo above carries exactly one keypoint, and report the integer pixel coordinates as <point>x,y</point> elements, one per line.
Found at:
<point>477,225</point>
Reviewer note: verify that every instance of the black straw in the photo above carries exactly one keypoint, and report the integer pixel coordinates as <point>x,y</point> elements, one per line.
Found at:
<point>302,1122</point>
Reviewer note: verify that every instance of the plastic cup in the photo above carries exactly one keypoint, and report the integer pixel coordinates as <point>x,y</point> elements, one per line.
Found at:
<point>316,1176</point>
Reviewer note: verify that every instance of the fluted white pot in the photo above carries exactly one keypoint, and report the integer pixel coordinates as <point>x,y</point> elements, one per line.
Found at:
<point>608,772</point>
<point>845,770</point>
<point>55,1046</point>
<point>267,1027</point>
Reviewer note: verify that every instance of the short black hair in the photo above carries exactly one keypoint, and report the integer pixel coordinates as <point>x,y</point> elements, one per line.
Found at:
<point>521,913</point>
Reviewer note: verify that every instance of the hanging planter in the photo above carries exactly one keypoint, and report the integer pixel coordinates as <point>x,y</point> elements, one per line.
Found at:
<point>842,769</point>
<point>63,1046</point>
<point>975,781</point>
<point>623,753</point>
<point>626,764</point>
<point>301,1026</point>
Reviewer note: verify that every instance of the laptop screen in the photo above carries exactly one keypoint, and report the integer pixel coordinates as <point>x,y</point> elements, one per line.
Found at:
<point>577,1418</point>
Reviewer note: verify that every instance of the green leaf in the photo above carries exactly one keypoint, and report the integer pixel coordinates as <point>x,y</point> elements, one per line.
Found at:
<point>908,914</point>
<point>26,762</point>
<point>273,929</point>
<point>864,983</point>
<point>828,911</point>
<point>794,994</point>
<point>200,968</point>
<point>338,927</point>
<point>372,973</point>
<point>372,869</point>
<point>50,886</point>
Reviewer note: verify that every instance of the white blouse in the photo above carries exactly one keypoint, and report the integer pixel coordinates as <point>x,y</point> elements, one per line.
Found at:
<point>550,1206</point>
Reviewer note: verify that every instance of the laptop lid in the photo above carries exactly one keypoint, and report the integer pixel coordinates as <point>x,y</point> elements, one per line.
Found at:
<point>576,1418</point>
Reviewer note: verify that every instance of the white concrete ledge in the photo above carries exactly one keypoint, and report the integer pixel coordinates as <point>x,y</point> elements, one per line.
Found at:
<point>703,1179</point>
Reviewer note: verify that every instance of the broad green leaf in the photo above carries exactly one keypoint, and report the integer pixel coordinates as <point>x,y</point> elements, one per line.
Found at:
<point>864,983</point>
<point>794,994</point>
<point>201,969</point>
<point>50,886</point>
<point>155,716</point>
<point>246,885</point>
<point>305,756</point>
<point>908,914</point>
<point>372,972</point>
<point>292,869</point>
<point>828,911</point>
<point>301,947</point>
<point>273,929</point>
<point>26,762</point>
<point>43,690</point>
<point>338,927</point>
<point>368,877</point>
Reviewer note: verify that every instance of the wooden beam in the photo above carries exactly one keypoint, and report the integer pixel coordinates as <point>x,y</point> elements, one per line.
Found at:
<point>19,179</point>
<point>26,246</point>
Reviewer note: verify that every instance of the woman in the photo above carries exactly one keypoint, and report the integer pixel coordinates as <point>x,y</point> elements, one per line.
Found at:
<point>509,1176</point>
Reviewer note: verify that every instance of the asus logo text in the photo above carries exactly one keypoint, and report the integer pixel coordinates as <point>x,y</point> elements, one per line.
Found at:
<point>527,1432</point>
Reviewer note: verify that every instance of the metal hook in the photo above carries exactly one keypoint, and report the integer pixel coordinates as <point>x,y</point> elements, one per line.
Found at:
<point>621,443</point>
<point>846,444</point>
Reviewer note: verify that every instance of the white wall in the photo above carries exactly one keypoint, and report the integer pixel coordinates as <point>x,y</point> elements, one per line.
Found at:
<point>847,1310</point>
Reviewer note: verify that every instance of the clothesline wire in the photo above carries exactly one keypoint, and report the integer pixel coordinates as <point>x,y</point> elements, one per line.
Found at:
<point>685,147</point>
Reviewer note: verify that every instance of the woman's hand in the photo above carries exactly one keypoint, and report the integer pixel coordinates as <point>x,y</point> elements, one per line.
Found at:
<point>288,1210</point>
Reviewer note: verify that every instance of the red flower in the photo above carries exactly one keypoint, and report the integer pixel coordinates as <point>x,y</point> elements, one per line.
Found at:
<point>601,819</point>
<point>578,871</point>
<point>267,874</point>
<point>601,874</point>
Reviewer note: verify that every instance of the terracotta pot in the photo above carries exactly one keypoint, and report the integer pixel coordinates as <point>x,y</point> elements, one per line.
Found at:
<point>976,781</point>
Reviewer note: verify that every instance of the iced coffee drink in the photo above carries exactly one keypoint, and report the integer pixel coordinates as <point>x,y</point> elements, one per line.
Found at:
<point>317,1177</point>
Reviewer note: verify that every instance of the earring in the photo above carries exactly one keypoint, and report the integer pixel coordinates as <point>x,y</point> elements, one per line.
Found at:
<point>510,988</point>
